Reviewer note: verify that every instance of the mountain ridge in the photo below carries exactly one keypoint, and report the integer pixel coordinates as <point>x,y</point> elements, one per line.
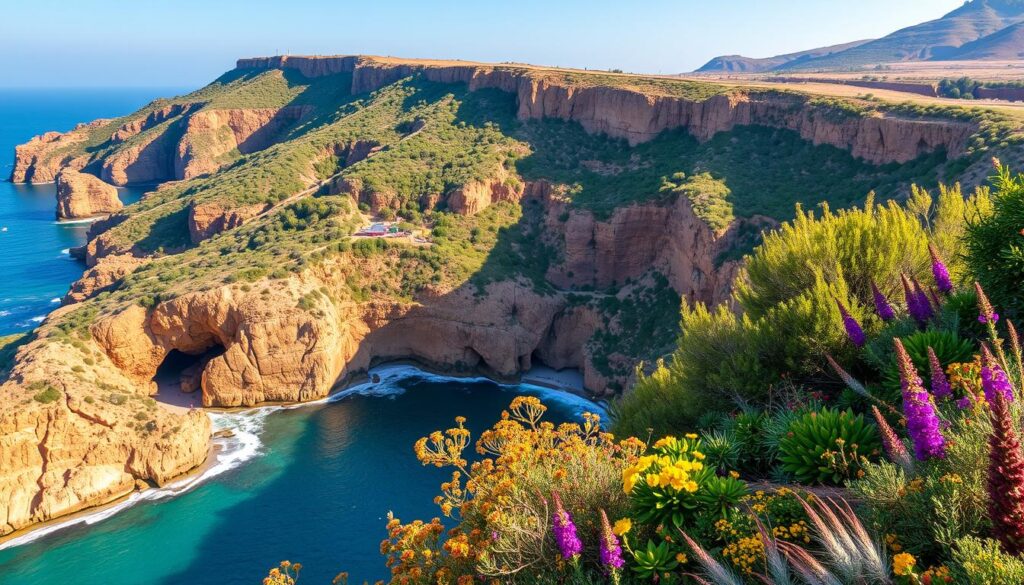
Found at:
<point>938,39</point>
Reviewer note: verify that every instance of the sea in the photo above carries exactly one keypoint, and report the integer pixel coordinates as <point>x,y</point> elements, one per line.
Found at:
<point>311,483</point>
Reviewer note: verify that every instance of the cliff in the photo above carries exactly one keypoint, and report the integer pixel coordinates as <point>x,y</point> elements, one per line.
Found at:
<point>625,107</point>
<point>81,195</point>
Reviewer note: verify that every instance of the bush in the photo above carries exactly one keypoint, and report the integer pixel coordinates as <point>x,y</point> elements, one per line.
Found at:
<point>982,562</point>
<point>788,316</point>
<point>509,493</point>
<point>47,395</point>
<point>826,446</point>
<point>995,244</point>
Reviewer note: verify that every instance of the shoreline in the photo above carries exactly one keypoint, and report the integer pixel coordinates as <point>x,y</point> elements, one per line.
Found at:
<point>220,443</point>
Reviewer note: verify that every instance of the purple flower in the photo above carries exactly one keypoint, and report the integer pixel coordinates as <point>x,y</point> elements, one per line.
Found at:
<point>917,302</point>
<point>964,403</point>
<point>882,306</point>
<point>565,531</point>
<point>939,271</point>
<point>986,313</point>
<point>940,384</point>
<point>853,330</point>
<point>894,447</point>
<point>993,378</point>
<point>923,424</point>
<point>611,551</point>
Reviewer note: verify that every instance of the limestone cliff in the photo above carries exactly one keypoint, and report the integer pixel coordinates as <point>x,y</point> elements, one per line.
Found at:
<point>82,195</point>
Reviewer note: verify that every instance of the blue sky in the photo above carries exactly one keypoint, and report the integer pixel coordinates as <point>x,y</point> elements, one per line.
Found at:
<point>181,43</point>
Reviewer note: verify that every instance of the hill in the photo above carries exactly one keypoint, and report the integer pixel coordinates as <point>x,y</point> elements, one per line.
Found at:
<point>943,38</point>
<point>1006,44</point>
<point>741,64</point>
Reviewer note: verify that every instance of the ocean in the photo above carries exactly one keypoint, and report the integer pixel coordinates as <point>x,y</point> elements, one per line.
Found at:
<point>311,483</point>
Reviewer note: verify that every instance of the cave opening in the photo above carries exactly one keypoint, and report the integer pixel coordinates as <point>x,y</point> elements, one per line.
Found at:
<point>178,377</point>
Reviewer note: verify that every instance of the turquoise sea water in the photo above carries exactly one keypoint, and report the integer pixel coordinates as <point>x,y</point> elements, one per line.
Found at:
<point>310,484</point>
<point>34,266</point>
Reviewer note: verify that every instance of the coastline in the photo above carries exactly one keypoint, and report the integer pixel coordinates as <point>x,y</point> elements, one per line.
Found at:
<point>240,445</point>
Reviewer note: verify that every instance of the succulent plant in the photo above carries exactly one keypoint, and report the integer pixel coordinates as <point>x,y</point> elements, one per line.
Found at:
<point>826,446</point>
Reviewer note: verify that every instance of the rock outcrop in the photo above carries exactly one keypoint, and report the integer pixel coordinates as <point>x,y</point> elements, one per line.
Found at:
<point>208,219</point>
<point>82,195</point>
<point>75,440</point>
<point>212,134</point>
<point>41,159</point>
<point>475,196</point>
<point>102,276</point>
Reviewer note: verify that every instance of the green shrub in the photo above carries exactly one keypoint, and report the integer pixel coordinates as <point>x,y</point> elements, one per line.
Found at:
<point>982,562</point>
<point>47,395</point>
<point>826,446</point>
<point>948,347</point>
<point>995,244</point>
<point>721,450</point>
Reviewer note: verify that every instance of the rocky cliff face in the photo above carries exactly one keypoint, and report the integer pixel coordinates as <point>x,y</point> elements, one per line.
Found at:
<point>74,440</point>
<point>40,160</point>
<point>211,134</point>
<point>83,195</point>
<point>639,115</point>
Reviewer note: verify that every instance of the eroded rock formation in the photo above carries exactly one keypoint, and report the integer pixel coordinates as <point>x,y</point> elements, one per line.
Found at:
<point>83,195</point>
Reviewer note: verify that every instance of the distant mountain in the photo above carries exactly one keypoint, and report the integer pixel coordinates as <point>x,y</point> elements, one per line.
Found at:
<point>741,64</point>
<point>1004,45</point>
<point>980,29</point>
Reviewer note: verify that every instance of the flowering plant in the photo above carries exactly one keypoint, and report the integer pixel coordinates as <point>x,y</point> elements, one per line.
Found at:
<point>663,486</point>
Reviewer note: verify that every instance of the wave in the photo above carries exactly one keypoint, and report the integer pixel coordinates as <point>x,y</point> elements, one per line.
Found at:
<point>77,221</point>
<point>246,426</point>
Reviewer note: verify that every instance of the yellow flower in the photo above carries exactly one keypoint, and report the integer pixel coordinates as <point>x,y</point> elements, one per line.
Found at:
<point>622,526</point>
<point>734,475</point>
<point>691,436</point>
<point>681,558</point>
<point>903,564</point>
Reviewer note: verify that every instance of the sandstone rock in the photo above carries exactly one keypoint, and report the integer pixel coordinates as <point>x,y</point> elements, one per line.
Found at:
<point>100,277</point>
<point>212,134</point>
<point>207,220</point>
<point>82,450</point>
<point>476,196</point>
<point>82,195</point>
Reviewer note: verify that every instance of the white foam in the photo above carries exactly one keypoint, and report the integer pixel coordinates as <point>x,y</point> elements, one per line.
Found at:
<point>246,427</point>
<point>77,221</point>
<point>4,313</point>
<point>38,319</point>
<point>55,300</point>
<point>66,251</point>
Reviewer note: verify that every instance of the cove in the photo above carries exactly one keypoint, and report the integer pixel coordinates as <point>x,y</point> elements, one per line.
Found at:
<point>318,492</point>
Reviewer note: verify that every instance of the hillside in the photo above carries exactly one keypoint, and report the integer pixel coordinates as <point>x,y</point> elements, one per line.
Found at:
<point>943,38</point>
<point>1006,44</point>
<point>741,64</point>
<point>553,216</point>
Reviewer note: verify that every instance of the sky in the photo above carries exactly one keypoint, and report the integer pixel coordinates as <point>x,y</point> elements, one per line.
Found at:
<point>187,43</point>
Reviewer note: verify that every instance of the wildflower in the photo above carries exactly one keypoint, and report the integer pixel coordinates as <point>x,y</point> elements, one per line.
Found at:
<point>1005,479</point>
<point>882,305</point>
<point>903,564</point>
<point>940,384</point>
<point>993,378</point>
<point>917,303</point>
<point>565,531</point>
<point>622,526</point>
<point>964,403</point>
<point>986,313</point>
<point>922,422</point>
<point>939,271</point>
<point>853,329</point>
<point>610,550</point>
<point>894,447</point>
